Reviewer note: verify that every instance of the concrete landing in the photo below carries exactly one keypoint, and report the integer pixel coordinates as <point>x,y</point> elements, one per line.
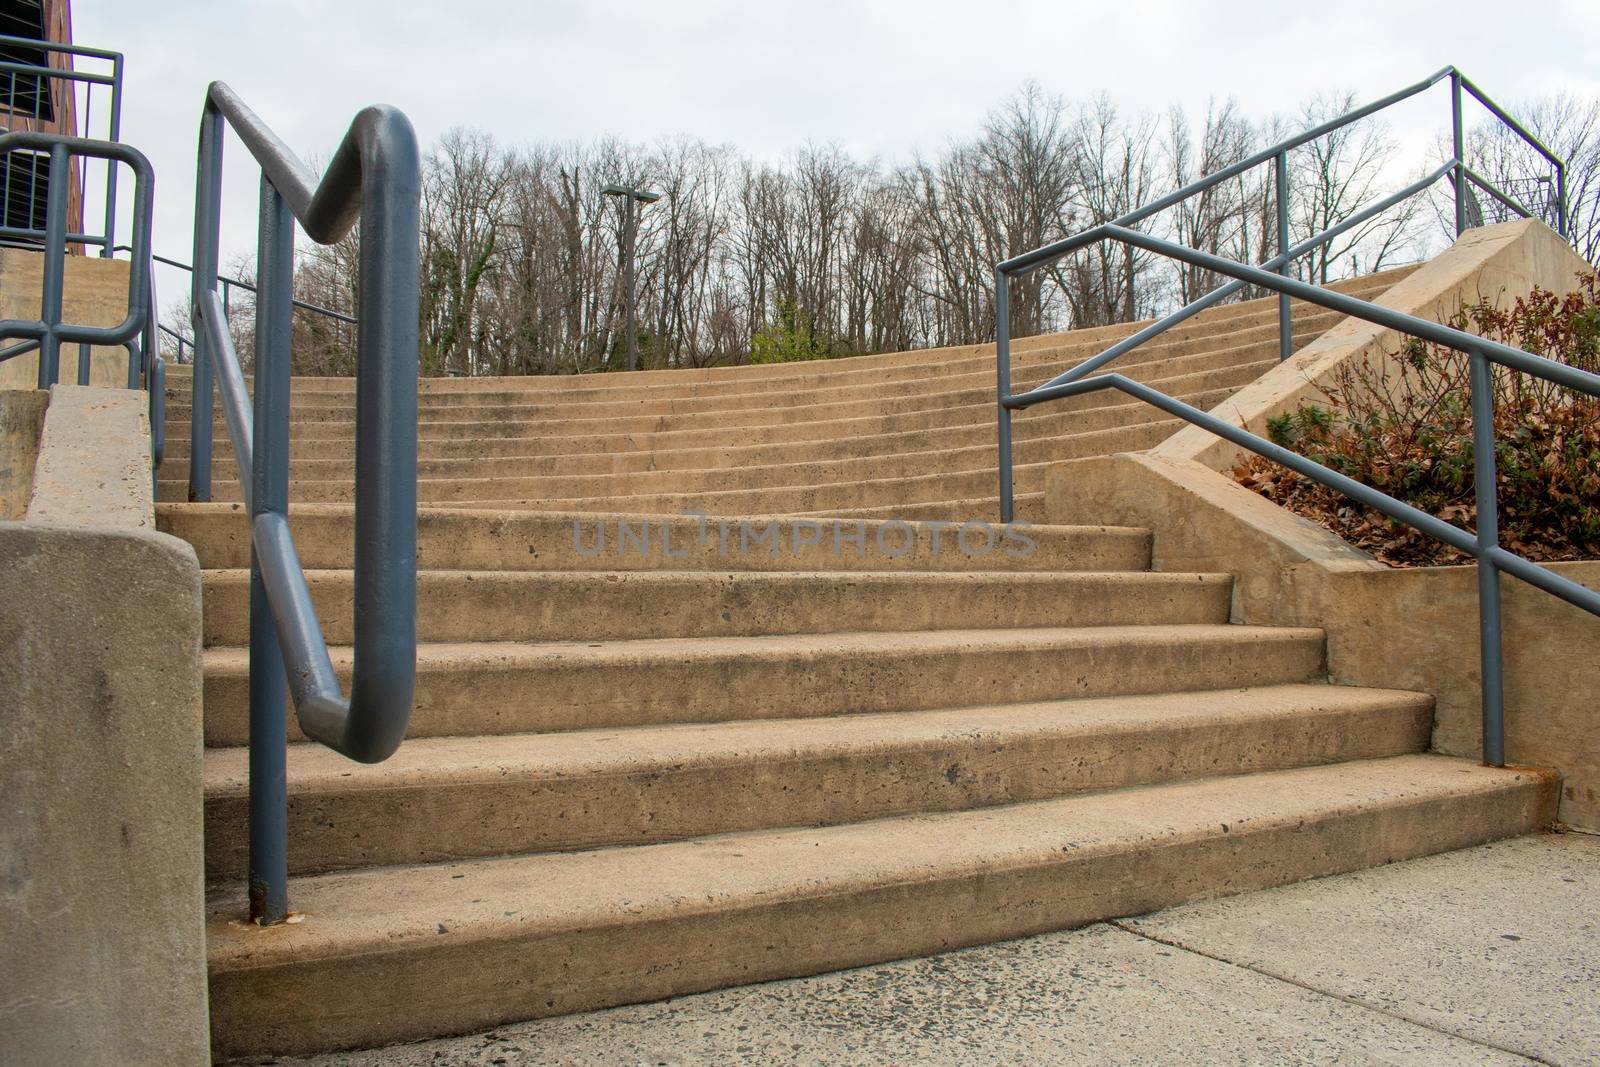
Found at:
<point>1489,955</point>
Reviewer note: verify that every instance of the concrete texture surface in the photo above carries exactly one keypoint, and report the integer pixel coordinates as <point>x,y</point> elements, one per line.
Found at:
<point>1498,944</point>
<point>1411,628</point>
<point>460,539</point>
<point>1423,971</point>
<point>93,467</point>
<point>466,797</point>
<point>510,687</point>
<point>585,606</point>
<point>389,954</point>
<point>102,950</point>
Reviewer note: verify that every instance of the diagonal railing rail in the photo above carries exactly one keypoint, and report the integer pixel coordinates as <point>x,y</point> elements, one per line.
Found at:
<point>1278,155</point>
<point>1483,543</point>
<point>374,176</point>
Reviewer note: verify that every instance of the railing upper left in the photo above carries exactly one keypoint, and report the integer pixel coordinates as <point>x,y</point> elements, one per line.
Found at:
<point>48,332</point>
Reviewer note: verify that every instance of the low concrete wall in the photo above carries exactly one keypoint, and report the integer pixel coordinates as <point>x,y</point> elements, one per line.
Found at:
<point>87,471</point>
<point>96,294</point>
<point>102,945</point>
<point>1402,628</point>
<point>1396,628</point>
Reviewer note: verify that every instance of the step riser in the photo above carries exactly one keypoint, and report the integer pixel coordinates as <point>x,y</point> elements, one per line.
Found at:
<point>488,694</point>
<point>893,493</point>
<point>457,985</point>
<point>586,607</point>
<point>523,541</point>
<point>677,795</point>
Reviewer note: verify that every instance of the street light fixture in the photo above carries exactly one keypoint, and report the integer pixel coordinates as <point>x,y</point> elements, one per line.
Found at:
<point>631,197</point>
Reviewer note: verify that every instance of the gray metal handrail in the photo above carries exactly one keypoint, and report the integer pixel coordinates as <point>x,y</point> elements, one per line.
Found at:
<point>1483,544</point>
<point>1278,154</point>
<point>375,174</point>
<point>49,331</point>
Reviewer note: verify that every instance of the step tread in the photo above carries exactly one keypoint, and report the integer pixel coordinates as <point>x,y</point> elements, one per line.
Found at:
<point>447,907</point>
<point>238,575</point>
<point>456,761</point>
<point>509,655</point>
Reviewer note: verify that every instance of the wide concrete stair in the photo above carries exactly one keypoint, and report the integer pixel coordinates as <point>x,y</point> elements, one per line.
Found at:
<point>905,434</point>
<point>656,754</point>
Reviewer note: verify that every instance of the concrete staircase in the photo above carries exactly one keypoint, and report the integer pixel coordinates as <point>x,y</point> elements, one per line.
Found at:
<point>908,434</point>
<point>707,751</point>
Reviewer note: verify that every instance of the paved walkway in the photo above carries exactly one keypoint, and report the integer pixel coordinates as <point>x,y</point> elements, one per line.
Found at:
<point>1486,956</point>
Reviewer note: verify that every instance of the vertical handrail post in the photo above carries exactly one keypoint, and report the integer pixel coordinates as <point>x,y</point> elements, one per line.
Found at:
<point>115,132</point>
<point>633,330</point>
<point>1561,202</point>
<point>55,267</point>
<point>1002,364</point>
<point>1285,318</point>
<point>1488,536</point>
<point>269,492</point>
<point>1457,142</point>
<point>207,234</point>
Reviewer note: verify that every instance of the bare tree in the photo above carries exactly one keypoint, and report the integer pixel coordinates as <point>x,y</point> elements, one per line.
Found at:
<point>1333,178</point>
<point>820,254</point>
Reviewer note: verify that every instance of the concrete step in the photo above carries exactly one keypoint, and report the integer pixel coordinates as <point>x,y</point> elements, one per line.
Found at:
<point>923,411</point>
<point>455,606</point>
<point>1071,346</point>
<point>528,457</point>
<point>479,486</point>
<point>388,954</point>
<point>506,687</point>
<point>831,498</point>
<point>977,411</point>
<point>1210,351</point>
<point>488,540</point>
<point>465,798</point>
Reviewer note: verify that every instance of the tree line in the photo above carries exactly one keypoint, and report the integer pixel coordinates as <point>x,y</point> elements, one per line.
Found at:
<point>822,254</point>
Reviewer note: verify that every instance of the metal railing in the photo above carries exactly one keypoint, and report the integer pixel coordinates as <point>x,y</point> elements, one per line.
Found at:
<point>374,174</point>
<point>32,97</point>
<point>50,331</point>
<point>1483,544</point>
<point>227,285</point>
<point>1278,155</point>
<point>183,345</point>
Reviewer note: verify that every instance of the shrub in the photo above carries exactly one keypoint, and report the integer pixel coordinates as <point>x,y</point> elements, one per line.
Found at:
<point>1407,431</point>
<point>787,339</point>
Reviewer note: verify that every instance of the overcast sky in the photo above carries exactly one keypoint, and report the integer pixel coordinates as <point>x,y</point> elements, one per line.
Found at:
<point>880,77</point>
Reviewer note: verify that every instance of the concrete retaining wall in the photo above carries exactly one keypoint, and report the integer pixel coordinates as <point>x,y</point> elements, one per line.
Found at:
<point>102,948</point>
<point>1406,628</point>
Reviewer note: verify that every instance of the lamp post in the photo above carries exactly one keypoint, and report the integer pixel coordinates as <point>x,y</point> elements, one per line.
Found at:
<point>631,196</point>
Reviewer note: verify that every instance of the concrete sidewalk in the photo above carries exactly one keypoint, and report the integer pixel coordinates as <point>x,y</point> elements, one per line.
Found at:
<point>1485,956</point>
